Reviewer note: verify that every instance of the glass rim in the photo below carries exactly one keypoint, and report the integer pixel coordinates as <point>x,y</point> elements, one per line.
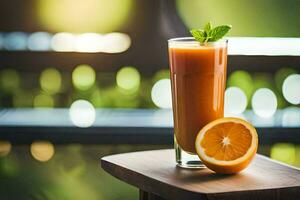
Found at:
<point>191,43</point>
<point>192,39</point>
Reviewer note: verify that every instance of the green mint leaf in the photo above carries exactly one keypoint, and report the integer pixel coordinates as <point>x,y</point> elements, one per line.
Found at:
<point>198,34</point>
<point>209,34</point>
<point>207,28</point>
<point>219,32</point>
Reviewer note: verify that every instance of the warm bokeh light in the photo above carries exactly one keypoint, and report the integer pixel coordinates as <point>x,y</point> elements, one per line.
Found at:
<point>128,78</point>
<point>62,42</point>
<point>264,102</point>
<point>291,117</point>
<point>15,41</point>
<point>115,42</point>
<point>42,150</point>
<point>284,152</point>
<point>39,41</point>
<point>291,89</point>
<point>83,77</point>
<point>5,148</point>
<point>50,80</point>
<point>161,93</point>
<point>9,80</point>
<point>43,100</point>
<point>89,42</point>
<point>242,80</point>
<point>235,101</point>
<point>82,113</point>
<point>83,15</point>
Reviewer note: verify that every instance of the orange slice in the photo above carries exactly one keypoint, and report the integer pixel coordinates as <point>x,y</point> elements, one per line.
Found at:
<point>227,145</point>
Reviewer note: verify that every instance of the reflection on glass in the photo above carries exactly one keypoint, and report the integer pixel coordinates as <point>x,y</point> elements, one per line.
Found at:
<point>264,102</point>
<point>235,101</point>
<point>161,93</point>
<point>82,113</point>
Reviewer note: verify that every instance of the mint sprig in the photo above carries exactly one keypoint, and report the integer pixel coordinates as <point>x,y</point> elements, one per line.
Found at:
<point>209,34</point>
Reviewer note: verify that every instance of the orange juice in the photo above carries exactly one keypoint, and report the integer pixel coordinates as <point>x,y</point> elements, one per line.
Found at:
<point>198,78</point>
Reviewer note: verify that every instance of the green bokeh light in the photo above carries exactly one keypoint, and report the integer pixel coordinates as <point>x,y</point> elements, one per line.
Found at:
<point>23,98</point>
<point>43,100</point>
<point>83,15</point>
<point>263,80</point>
<point>281,75</point>
<point>83,77</point>
<point>245,16</point>
<point>284,152</point>
<point>243,80</point>
<point>161,74</point>
<point>128,78</point>
<point>9,80</point>
<point>50,81</point>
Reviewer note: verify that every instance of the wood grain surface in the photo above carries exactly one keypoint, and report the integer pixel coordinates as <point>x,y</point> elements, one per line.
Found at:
<point>155,172</point>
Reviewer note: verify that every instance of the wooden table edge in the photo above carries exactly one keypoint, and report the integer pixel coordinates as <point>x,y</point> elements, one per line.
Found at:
<point>111,168</point>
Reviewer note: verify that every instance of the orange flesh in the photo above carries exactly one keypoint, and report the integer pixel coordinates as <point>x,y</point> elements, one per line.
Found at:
<point>198,77</point>
<point>238,136</point>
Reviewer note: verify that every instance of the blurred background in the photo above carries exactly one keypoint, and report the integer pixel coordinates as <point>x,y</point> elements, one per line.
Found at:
<point>80,56</point>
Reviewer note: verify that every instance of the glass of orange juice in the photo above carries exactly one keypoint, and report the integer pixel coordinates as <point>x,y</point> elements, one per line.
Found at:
<point>198,78</point>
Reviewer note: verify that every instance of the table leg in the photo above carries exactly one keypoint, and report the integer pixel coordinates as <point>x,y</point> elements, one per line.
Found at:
<point>149,196</point>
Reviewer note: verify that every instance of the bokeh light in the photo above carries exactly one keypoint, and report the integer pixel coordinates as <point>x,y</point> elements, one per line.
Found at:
<point>115,42</point>
<point>291,117</point>
<point>264,102</point>
<point>83,77</point>
<point>89,42</point>
<point>1,41</point>
<point>39,41</point>
<point>235,101</point>
<point>82,113</point>
<point>15,41</point>
<point>128,78</point>
<point>263,80</point>
<point>50,80</point>
<point>23,98</point>
<point>83,15</point>
<point>161,93</point>
<point>281,75</point>
<point>5,148</point>
<point>42,150</point>
<point>161,74</point>
<point>43,100</point>
<point>284,152</point>
<point>62,42</point>
<point>291,89</point>
<point>242,80</point>
<point>9,80</point>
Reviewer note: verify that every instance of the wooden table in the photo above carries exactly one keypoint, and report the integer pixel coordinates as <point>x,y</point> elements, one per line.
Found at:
<point>157,177</point>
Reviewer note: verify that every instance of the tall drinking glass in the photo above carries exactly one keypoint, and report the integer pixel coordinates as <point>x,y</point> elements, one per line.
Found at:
<point>198,78</point>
